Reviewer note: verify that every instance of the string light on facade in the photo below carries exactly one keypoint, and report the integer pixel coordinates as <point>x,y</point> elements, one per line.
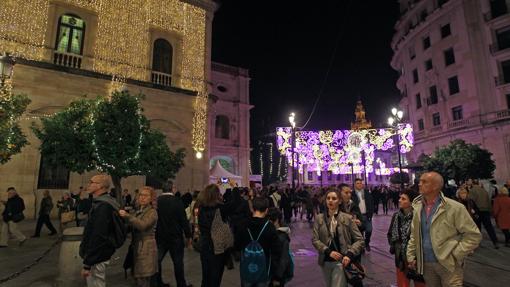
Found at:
<point>122,42</point>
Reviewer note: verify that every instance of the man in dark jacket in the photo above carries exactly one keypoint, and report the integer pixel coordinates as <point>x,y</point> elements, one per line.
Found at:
<point>268,239</point>
<point>365,203</point>
<point>44,215</point>
<point>172,226</point>
<point>281,265</point>
<point>96,248</point>
<point>14,207</point>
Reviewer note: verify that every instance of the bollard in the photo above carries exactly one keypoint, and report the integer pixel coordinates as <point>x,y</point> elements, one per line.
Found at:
<point>70,262</point>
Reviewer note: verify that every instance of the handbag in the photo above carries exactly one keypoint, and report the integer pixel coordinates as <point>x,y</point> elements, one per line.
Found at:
<point>68,216</point>
<point>354,272</point>
<point>221,234</point>
<point>18,217</point>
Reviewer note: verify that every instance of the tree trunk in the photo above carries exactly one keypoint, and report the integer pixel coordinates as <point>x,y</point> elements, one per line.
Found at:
<point>118,189</point>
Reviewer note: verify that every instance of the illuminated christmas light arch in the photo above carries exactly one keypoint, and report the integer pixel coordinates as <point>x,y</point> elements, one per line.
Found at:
<point>335,150</point>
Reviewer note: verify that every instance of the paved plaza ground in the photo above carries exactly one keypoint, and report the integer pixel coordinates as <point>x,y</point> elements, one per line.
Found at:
<point>487,267</point>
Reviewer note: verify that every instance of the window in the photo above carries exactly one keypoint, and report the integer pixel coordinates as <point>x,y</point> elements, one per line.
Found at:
<point>222,127</point>
<point>162,56</point>
<point>330,175</point>
<point>153,182</point>
<point>426,43</point>
<point>423,15</point>
<point>347,177</point>
<point>310,175</point>
<point>70,35</point>
<point>505,67</point>
<point>421,125</point>
<point>436,119</point>
<point>449,57</point>
<point>433,96</point>
<point>52,177</point>
<point>412,53</point>
<point>418,101</point>
<point>338,177</point>
<point>503,38</point>
<point>415,76</point>
<point>498,8</point>
<point>428,65</point>
<point>445,31</point>
<point>441,2</point>
<point>453,85</point>
<point>508,101</point>
<point>457,113</point>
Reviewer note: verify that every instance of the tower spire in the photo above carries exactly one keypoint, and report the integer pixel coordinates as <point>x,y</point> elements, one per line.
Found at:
<point>361,122</point>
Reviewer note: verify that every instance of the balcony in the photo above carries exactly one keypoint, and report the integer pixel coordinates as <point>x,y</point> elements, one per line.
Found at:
<point>497,116</point>
<point>67,59</point>
<point>463,123</point>
<point>161,79</point>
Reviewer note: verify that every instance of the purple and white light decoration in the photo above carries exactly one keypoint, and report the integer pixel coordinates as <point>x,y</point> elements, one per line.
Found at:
<point>333,150</point>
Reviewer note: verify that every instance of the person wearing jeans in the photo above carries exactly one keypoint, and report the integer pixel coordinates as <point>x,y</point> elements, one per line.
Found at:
<point>337,239</point>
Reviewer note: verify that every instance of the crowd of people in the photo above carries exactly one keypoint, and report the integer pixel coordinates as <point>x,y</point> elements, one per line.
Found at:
<point>430,234</point>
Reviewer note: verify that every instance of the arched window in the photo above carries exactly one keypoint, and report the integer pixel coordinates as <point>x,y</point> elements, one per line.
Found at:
<point>70,34</point>
<point>162,57</point>
<point>222,127</point>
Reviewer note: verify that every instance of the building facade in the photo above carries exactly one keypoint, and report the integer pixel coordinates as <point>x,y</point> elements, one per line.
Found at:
<point>229,119</point>
<point>453,59</point>
<point>72,49</point>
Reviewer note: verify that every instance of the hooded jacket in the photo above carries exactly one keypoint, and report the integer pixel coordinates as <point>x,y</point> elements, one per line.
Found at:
<point>453,233</point>
<point>96,246</point>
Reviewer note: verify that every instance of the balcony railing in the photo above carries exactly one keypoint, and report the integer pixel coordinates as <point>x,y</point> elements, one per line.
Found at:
<point>162,79</point>
<point>463,123</point>
<point>497,116</point>
<point>67,59</point>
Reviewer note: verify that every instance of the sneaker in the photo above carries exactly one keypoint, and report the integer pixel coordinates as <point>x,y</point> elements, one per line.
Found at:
<point>22,242</point>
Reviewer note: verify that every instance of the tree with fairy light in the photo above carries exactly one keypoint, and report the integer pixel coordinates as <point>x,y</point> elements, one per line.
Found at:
<point>12,139</point>
<point>110,135</point>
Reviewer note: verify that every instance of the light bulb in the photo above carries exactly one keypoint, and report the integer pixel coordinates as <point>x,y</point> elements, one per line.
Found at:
<point>198,154</point>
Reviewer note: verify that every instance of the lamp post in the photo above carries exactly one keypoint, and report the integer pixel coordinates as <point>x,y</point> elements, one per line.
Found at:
<point>394,121</point>
<point>292,117</point>
<point>352,174</point>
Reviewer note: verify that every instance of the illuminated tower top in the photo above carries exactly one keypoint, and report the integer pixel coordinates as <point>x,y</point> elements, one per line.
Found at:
<point>361,122</point>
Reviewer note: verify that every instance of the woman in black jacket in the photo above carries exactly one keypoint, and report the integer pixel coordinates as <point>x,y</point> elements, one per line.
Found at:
<point>209,201</point>
<point>398,237</point>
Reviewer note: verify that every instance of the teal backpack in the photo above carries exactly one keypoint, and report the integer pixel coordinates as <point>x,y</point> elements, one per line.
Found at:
<point>253,261</point>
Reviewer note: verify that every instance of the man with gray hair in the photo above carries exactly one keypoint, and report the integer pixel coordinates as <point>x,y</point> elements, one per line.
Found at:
<point>96,249</point>
<point>442,234</point>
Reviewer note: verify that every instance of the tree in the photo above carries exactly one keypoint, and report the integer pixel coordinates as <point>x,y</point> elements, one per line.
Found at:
<point>460,161</point>
<point>12,139</point>
<point>395,178</point>
<point>110,135</point>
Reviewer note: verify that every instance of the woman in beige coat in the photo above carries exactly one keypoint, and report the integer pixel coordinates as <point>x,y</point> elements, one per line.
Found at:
<point>145,249</point>
<point>337,239</point>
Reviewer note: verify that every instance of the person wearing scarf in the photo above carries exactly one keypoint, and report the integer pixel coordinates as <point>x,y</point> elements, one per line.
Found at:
<point>398,237</point>
<point>337,239</point>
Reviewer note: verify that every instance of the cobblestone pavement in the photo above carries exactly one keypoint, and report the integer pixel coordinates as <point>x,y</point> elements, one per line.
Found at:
<point>487,267</point>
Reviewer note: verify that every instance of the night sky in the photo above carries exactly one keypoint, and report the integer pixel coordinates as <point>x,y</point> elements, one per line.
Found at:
<point>288,45</point>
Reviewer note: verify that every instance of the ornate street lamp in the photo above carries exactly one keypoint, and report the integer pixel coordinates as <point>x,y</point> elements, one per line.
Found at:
<point>394,121</point>
<point>292,122</point>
